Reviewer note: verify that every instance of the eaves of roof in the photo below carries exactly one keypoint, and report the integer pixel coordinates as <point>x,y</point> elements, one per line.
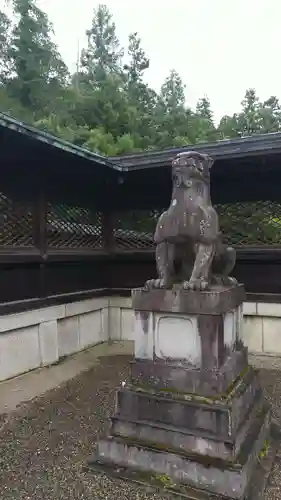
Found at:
<point>262,144</point>
<point>226,149</point>
<point>20,127</point>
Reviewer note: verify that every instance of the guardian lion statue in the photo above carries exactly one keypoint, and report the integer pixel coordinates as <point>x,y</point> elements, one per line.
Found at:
<point>189,250</point>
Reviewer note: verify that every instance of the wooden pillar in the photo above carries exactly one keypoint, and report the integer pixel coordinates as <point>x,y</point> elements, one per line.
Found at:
<point>108,225</point>
<point>40,236</point>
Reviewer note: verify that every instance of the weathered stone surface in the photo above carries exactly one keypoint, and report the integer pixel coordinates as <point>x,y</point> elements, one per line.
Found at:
<point>162,375</point>
<point>197,341</point>
<point>189,244</point>
<point>175,330</point>
<point>178,439</point>
<point>216,301</point>
<point>216,476</point>
<point>219,418</point>
<point>193,411</point>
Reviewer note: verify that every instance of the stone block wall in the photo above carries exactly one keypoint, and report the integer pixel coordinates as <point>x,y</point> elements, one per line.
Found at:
<point>41,337</point>
<point>262,328</point>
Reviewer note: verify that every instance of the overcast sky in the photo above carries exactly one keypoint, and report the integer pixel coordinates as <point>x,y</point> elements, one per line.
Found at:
<point>219,47</point>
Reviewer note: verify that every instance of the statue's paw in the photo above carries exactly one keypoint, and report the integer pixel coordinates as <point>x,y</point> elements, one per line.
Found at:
<point>232,281</point>
<point>165,284</point>
<point>199,284</point>
<point>150,284</point>
<point>157,284</point>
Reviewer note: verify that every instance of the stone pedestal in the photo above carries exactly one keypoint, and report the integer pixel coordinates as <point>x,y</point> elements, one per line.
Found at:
<point>192,416</point>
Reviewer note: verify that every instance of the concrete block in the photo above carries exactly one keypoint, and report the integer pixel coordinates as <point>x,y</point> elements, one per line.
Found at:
<point>85,306</point>
<point>127,324</point>
<point>252,335</point>
<point>264,309</point>
<point>181,379</point>
<point>250,308</point>
<point>19,352</point>
<point>29,318</point>
<point>105,323</point>
<point>182,439</point>
<point>272,335</point>
<point>114,321</point>
<point>122,302</point>
<point>48,342</point>
<point>185,337</point>
<point>226,480</point>
<point>222,420</point>
<point>188,302</point>
<point>68,336</point>
<point>90,326</point>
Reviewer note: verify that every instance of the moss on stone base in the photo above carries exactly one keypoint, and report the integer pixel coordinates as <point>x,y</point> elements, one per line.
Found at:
<point>184,396</point>
<point>264,451</point>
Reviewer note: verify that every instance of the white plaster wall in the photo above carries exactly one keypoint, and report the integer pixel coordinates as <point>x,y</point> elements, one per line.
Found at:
<point>19,351</point>
<point>121,318</point>
<point>262,328</point>
<point>40,337</point>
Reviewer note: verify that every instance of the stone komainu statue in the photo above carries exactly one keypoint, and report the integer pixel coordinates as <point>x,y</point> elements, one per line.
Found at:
<point>189,244</point>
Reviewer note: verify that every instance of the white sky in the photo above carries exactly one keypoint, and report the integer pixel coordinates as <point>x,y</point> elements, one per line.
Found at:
<point>219,47</point>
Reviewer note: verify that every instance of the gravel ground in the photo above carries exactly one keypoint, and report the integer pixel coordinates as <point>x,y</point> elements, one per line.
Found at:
<point>43,446</point>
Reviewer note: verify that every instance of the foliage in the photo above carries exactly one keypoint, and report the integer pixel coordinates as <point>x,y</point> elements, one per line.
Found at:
<point>37,74</point>
<point>263,223</point>
<point>106,105</point>
<point>5,32</point>
<point>103,54</point>
<point>256,117</point>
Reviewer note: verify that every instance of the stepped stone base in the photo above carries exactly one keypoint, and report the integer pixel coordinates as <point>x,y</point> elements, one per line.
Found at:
<point>163,374</point>
<point>196,422</point>
<point>162,483</point>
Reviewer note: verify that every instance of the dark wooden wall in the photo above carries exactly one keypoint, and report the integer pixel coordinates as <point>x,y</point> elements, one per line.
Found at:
<point>24,278</point>
<point>56,239</point>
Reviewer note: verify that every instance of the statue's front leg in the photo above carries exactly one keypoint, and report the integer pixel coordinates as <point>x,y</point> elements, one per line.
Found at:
<point>165,267</point>
<point>200,277</point>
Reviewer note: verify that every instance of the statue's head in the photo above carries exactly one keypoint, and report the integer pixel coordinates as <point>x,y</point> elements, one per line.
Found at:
<point>191,165</point>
